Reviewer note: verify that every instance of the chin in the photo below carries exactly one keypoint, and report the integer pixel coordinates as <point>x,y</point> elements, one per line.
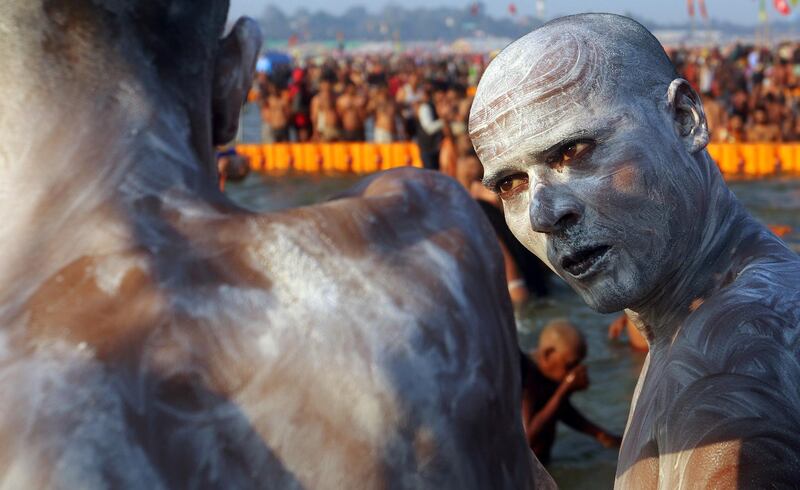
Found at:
<point>603,305</point>
<point>605,297</point>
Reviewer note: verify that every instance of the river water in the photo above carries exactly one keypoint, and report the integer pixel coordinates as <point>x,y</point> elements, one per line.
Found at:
<point>578,462</point>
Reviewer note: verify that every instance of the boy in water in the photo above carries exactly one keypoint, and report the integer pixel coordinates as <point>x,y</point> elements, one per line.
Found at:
<point>551,374</point>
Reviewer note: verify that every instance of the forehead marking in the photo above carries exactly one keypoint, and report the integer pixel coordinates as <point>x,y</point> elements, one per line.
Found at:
<point>569,65</point>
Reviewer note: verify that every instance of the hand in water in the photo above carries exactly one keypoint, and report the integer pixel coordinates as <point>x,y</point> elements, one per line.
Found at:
<point>609,440</point>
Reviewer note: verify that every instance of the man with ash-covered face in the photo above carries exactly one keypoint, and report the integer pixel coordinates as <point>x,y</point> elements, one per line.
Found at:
<point>597,150</point>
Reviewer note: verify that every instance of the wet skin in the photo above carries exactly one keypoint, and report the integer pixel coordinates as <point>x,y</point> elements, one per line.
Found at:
<point>598,153</point>
<point>154,335</point>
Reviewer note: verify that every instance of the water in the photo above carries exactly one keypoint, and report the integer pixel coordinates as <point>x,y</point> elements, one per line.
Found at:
<point>578,462</point>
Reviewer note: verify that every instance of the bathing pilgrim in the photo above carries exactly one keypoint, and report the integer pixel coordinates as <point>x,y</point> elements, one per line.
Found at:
<point>155,335</point>
<point>597,150</point>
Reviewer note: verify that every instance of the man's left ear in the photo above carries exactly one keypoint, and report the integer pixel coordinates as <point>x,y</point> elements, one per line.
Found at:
<point>686,110</point>
<point>233,77</point>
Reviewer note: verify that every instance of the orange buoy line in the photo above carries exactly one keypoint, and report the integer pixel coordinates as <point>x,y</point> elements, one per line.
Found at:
<point>735,160</point>
<point>322,158</point>
<point>756,160</point>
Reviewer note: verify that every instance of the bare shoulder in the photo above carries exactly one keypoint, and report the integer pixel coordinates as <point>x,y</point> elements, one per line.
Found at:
<point>385,313</point>
<point>405,216</point>
<point>407,250</point>
<point>731,386</point>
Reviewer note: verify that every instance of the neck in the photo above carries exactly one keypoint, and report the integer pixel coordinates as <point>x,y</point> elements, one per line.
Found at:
<point>721,245</point>
<point>93,177</point>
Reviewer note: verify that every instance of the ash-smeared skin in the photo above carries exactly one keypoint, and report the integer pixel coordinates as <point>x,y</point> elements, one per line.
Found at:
<point>153,335</point>
<point>716,294</point>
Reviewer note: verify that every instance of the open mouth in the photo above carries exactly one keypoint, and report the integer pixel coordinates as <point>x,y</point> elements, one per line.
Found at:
<point>581,263</point>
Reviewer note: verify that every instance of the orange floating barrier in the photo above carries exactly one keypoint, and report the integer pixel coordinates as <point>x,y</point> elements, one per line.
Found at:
<point>747,164</point>
<point>374,156</point>
<point>312,157</point>
<point>348,157</point>
<point>787,159</point>
<point>401,156</point>
<point>284,158</point>
<point>255,154</point>
<point>767,159</point>
<point>727,158</point>
<point>716,154</point>
<point>739,160</point>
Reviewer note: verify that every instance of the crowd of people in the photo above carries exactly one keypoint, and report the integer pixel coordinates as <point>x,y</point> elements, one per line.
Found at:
<point>372,98</point>
<point>750,94</point>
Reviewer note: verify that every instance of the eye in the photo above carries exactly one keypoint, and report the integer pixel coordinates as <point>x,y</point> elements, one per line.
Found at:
<point>569,152</point>
<point>511,186</point>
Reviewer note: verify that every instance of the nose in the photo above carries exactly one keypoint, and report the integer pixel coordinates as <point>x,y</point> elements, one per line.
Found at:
<point>553,209</point>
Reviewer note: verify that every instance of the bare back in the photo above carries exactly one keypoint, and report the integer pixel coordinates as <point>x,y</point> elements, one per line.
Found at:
<point>244,356</point>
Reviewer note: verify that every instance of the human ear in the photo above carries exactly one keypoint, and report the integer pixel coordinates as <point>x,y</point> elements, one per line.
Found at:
<point>233,77</point>
<point>686,110</point>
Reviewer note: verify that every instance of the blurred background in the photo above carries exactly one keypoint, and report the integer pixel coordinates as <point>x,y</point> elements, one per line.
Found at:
<point>347,89</point>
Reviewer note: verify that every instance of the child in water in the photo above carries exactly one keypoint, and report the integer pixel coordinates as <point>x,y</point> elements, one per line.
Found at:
<point>550,375</point>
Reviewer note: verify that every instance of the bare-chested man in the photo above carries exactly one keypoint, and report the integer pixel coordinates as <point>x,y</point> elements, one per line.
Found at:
<point>351,107</point>
<point>597,149</point>
<point>153,335</point>
<point>275,112</point>
<point>324,117</point>
<point>761,129</point>
<point>384,111</point>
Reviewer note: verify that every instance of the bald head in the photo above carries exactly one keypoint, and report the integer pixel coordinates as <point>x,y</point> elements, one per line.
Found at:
<point>137,72</point>
<point>92,41</point>
<point>562,336</point>
<point>587,56</point>
<point>183,28</point>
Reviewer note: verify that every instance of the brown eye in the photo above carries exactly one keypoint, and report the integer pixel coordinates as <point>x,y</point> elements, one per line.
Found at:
<point>512,185</point>
<point>570,152</point>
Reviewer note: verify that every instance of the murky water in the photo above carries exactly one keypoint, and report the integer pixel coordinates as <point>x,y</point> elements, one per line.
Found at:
<point>578,461</point>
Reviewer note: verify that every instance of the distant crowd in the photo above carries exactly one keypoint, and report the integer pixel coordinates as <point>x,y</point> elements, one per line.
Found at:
<point>371,98</point>
<point>750,94</point>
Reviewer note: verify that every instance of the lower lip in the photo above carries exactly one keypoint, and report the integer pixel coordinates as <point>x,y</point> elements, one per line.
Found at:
<point>596,267</point>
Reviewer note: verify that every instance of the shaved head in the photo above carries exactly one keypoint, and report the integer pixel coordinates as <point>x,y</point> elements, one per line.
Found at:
<point>92,40</point>
<point>136,59</point>
<point>563,336</point>
<point>173,28</point>
<point>595,56</point>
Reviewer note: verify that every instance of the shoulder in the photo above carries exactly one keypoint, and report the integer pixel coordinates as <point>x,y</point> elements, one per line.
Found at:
<point>425,202</point>
<point>730,393</point>
<point>388,314</point>
<point>417,228</point>
<point>731,427</point>
<point>758,310</point>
